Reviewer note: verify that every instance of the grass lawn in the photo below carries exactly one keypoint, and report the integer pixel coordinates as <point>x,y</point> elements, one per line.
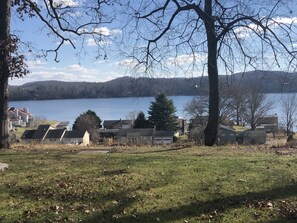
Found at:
<point>149,184</point>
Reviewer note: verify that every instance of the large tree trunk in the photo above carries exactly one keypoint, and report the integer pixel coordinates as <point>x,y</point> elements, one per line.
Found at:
<point>211,130</point>
<point>5,6</point>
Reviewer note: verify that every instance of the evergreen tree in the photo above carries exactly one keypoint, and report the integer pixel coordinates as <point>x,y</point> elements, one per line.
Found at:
<point>141,121</point>
<point>162,113</point>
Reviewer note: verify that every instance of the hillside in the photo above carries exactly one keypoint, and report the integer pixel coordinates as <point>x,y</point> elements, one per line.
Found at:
<point>267,81</point>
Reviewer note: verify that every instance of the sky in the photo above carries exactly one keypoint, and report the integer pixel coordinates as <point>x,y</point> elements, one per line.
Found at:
<point>71,66</point>
<point>83,63</point>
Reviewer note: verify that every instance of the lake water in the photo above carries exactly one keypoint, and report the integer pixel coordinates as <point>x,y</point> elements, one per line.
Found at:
<point>108,108</point>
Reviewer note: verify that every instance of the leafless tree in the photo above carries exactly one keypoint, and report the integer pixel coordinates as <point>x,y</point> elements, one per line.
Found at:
<point>239,96</point>
<point>226,102</point>
<point>64,20</point>
<point>256,106</point>
<point>132,115</point>
<point>211,35</point>
<point>289,110</point>
<point>196,107</point>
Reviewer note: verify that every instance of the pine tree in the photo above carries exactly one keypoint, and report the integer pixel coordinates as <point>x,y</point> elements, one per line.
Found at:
<point>141,121</point>
<point>162,113</point>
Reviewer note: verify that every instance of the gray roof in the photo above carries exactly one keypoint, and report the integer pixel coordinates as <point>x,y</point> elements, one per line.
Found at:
<point>55,134</point>
<point>62,125</point>
<point>163,133</point>
<point>226,128</point>
<point>108,132</point>
<point>28,134</point>
<point>41,131</point>
<point>74,134</point>
<point>135,132</point>
<point>110,123</point>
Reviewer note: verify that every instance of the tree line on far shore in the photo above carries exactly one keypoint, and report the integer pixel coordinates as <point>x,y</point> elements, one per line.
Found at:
<point>267,82</point>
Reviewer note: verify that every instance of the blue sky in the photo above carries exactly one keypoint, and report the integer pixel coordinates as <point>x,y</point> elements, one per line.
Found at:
<point>71,66</point>
<point>82,64</point>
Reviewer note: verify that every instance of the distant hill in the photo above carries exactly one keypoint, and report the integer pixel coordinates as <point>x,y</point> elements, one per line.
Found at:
<point>267,81</point>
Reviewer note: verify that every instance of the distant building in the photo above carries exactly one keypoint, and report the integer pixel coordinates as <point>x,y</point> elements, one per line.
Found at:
<point>163,137</point>
<point>54,136</point>
<point>135,136</point>
<point>20,117</point>
<point>118,124</point>
<point>269,123</point>
<point>141,136</point>
<point>251,137</point>
<point>76,137</point>
<point>62,125</point>
<point>49,135</point>
<point>183,126</point>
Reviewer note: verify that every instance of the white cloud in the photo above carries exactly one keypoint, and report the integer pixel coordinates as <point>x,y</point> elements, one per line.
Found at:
<point>246,31</point>
<point>76,68</point>
<point>186,59</point>
<point>74,72</point>
<point>115,31</point>
<point>64,3</point>
<point>93,42</point>
<point>285,20</point>
<point>33,64</point>
<point>127,63</point>
<point>102,31</point>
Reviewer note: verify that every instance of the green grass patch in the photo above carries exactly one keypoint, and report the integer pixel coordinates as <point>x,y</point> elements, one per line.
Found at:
<point>148,184</point>
<point>239,128</point>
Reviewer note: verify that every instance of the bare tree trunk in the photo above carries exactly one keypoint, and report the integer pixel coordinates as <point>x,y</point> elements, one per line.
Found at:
<point>211,130</point>
<point>5,7</point>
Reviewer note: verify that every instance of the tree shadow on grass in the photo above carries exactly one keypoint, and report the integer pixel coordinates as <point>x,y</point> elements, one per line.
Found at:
<point>215,207</point>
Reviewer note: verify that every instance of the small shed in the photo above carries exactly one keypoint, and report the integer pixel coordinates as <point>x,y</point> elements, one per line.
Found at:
<point>163,137</point>
<point>252,137</point>
<point>76,137</point>
<point>226,135</point>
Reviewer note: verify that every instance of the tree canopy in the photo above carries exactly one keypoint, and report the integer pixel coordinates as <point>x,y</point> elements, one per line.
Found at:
<point>162,113</point>
<point>141,121</point>
<point>88,121</point>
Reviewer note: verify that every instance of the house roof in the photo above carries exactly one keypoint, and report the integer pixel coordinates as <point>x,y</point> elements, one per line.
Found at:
<point>28,134</point>
<point>110,123</point>
<point>74,134</point>
<point>62,125</point>
<point>226,128</point>
<point>55,134</point>
<point>163,133</point>
<point>136,132</point>
<point>108,132</point>
<point>41,131</point>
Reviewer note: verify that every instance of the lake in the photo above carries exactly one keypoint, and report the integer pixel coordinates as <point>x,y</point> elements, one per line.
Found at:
<point>105,108</point>
<point>108,108</point>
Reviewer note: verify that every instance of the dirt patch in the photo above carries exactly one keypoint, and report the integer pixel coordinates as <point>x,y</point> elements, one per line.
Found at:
<point>3,166</point>
<point>93,151</point>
